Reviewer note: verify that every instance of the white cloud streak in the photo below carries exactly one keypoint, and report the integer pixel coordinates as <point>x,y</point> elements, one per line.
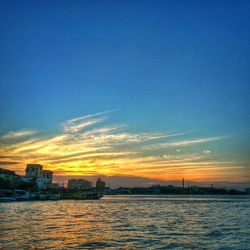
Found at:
<point>12,135</point>
<point>183,143</point>
<point>85,146</point>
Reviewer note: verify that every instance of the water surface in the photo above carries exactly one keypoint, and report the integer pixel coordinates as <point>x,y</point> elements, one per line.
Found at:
<point>128,222</point>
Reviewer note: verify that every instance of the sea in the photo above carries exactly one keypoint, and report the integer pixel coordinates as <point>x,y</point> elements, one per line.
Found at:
<point>128,222</point>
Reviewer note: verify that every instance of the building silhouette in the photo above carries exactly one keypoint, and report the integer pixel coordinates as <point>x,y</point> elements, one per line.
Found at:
<point>100,185</point>
<point>77,184</point>
<point>33,171</point>
<point>43,178</point>
<point>8,177</point>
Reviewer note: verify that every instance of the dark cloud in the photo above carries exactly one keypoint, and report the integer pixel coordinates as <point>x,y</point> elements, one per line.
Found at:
<point>9,162</point>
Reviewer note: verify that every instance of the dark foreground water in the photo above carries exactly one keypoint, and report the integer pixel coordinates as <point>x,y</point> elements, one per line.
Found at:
<point>127,222</point>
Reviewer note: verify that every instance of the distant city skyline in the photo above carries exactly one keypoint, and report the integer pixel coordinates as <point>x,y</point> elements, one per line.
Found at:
<point>158,90</point>
<point>89,145</point>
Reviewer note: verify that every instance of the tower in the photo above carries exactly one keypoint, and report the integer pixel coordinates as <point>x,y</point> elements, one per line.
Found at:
<point>33,171</point>
<point>100,185</point>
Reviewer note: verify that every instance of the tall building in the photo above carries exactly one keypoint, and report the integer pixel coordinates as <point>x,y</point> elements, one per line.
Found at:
<point>42,177</point>
<point>77,184</point>
<point>45,180</point>
<point>100,185</point>
<point>33,171</point>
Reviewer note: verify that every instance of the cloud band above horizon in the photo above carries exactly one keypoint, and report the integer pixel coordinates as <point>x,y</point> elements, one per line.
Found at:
<point>86,146</point>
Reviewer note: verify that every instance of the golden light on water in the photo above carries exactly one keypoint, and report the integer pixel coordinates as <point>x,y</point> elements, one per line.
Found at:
<point>125,222</point>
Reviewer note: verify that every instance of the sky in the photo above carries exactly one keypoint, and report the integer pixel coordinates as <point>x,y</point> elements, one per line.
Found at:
<point>147,89</point>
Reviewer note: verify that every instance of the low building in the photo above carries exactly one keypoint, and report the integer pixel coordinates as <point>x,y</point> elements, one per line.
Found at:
<point>35,177</point>
<point>247,190</point>
<point>77,184</point>
<point>54,186</point>
<point>5,173</point>
<point>9,177</point>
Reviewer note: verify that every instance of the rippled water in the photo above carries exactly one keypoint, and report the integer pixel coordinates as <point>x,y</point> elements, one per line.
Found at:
<point>127,222</point>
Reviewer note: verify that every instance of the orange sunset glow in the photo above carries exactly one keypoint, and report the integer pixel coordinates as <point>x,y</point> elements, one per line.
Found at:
<point>86,146</point>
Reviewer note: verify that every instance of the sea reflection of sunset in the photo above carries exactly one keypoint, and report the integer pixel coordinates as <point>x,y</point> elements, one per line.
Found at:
<point>127,222</point>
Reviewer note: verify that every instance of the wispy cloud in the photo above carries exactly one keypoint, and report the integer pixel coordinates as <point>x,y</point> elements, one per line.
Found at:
<point>184,143</point>
<point>206,151</point>
<point>12,135</point>
<point>7,163</point>
<point>74,125</point>
<point>87,145</point>
<point>81,118</point>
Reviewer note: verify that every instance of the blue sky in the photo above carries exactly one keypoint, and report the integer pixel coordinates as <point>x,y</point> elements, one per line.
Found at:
<point>166,65</point>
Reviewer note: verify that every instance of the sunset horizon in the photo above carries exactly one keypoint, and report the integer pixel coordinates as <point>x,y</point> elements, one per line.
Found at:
<point>124,124</point>
<point>155,93</point>
<point>91,145</point>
